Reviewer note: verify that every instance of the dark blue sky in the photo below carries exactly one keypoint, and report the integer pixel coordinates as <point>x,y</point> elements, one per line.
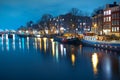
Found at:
<point>14,13</point>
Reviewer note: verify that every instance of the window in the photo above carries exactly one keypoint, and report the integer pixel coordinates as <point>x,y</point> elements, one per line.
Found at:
<point>104,20</point>
<point>109,12</point>
<point>109,18</point>
<point>112,22</point>
<point>113,29</point>
<point>104,12</point>
<point>117,29</point>
<point>117,22</point>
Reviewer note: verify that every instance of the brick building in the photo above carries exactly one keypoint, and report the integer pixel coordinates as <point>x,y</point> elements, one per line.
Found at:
<point>111,19</point>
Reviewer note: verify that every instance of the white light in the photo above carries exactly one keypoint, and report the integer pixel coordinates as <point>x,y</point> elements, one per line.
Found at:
<point>61,28</point>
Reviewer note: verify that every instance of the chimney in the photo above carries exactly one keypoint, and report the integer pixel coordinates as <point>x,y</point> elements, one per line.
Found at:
<point>115,3</point>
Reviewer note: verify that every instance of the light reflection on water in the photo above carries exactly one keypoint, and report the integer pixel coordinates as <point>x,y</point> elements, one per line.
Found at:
<point>99,64</point>
<point>95,62</point>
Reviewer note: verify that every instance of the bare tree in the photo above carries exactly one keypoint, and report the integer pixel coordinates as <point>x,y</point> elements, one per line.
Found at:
<point>74,11</point>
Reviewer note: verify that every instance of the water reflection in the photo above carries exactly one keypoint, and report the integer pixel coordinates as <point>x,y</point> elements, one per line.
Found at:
<point>45,39</point>
<point>61,47</point>
<point>35,43</point>
<point>95,62</point>
<point>105,66</point>
<point>7,45</point>
<point>53,48</point>
<point>19,43</point>
<point>23,45</point>
<point>13,45</point>
<point>40,42</point>
<point>73,59</point>
<point>57,51</point>
<point>28,43</point>
<point>2,43</point>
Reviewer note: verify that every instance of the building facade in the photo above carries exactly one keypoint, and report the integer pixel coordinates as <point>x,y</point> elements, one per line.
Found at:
<point>107,21</point>
<point>115,17</point>
<point>97,22</point>
<point>111,19</point>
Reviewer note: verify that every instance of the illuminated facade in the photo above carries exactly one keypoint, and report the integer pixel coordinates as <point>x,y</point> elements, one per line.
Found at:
<point>111,19</point>
<point>115,25</point>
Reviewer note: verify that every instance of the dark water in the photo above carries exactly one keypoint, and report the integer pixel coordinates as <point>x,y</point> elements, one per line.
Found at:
<point>43,59</point>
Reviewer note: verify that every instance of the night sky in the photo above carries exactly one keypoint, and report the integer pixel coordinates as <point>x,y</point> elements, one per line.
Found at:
<point>14,13</point>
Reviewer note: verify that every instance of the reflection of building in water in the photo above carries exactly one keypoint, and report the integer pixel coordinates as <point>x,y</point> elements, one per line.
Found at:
<point>40,41</point>
<point>44,39</point>
<point>35,43</point>
<point>73,58</point>
<point>53,48</point>
<point>27,42</point>
<point>7,45</point>
<point>119,64</point>
<point>95,62</point>
<point>23,45</point>
<point>80,49</point>
<point>57,51</point>
<point>107,67</point>
<point>2,43</point>
<point>65,51</point>
<point>20,43</point>
<point>61,48</point>
<point>13,45</point>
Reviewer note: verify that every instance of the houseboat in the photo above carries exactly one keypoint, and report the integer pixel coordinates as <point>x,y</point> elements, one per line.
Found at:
<point>92,40</point>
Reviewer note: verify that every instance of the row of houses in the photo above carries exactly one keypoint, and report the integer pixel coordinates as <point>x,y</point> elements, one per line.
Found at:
<point>107,21</point>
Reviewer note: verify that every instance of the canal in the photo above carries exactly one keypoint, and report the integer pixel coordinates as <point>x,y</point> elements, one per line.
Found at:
<point>44,59</point>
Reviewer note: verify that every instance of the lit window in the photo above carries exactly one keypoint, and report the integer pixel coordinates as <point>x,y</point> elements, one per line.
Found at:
<point>112,29</point>
<point>109,18</point>
<point>109,12</point>
<point>84,23</point>
<point>104,13</point>
<point>117,28</point>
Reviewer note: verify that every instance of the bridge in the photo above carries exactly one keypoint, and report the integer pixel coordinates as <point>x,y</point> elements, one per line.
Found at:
<point>6,34</point>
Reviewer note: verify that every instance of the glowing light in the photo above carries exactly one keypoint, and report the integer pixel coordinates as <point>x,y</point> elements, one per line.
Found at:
<point>51,40</point>
<point>73,59</point>
<point>95,62</point>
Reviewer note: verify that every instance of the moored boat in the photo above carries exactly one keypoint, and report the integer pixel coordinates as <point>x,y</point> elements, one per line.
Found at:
<point>92,41</point>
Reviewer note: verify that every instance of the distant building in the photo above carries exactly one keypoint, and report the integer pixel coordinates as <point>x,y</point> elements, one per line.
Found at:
<point>73,23</point>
